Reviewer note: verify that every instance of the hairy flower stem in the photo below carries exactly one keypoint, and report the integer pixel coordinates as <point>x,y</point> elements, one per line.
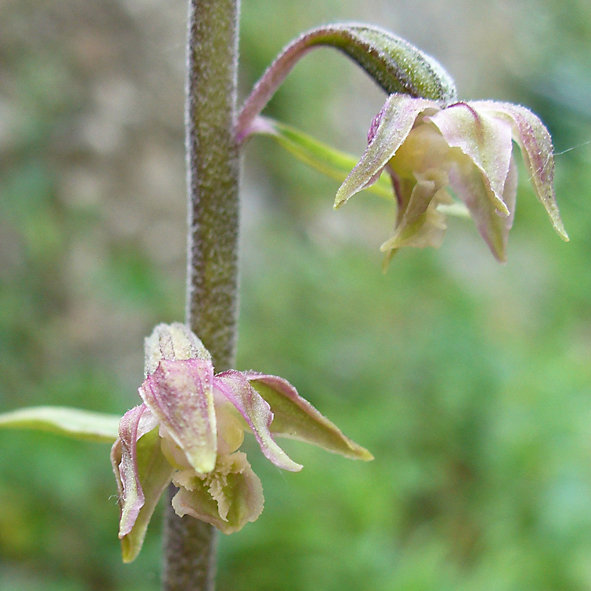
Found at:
<point>213,174</point>
<point>396,65</point>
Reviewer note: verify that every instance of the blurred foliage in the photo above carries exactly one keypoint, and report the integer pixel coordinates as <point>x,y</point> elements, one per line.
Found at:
<point>470,382</point>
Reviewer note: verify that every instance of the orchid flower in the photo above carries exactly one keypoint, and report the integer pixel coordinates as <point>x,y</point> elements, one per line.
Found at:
<point>188,430</point>
<point>434,152</point>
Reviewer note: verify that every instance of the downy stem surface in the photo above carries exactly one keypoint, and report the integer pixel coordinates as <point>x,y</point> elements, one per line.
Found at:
<point>212,273</point>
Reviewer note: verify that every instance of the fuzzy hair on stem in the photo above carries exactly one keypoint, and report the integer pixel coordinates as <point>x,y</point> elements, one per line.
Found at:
<point>212,265</point>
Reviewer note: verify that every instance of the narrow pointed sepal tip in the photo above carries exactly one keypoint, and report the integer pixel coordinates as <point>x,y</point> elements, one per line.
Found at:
<point>345,192</point>
<point>129,551</point>
<point>501,257</point>
<point>561,231</point>
<point>363,454</point>
<point>502,209</point>
<point>338,202</point>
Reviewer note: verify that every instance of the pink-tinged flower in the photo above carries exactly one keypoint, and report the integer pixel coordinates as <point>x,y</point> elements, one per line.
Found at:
<point>188,430</point>
<point>465,150</point>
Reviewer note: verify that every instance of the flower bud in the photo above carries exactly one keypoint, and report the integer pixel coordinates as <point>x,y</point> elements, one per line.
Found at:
<point>172,342</point>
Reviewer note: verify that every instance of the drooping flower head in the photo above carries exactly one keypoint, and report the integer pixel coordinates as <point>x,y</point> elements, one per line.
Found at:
<point>188,430</point>
<point>434,153</point>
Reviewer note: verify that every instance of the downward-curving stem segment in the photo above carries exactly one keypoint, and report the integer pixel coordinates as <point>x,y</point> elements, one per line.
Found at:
<point>213,171</point>
<point>393,63</point>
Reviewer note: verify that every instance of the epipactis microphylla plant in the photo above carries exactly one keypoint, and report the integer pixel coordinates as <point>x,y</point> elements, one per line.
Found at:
<point>437,152</point>
<point>188,430</point>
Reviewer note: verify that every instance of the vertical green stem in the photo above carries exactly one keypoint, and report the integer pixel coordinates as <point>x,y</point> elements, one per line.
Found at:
<point>213,171</point>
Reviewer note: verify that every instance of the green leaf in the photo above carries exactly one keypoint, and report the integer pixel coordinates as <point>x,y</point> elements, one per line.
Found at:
<point>318,155</point>
<point>71,422</point>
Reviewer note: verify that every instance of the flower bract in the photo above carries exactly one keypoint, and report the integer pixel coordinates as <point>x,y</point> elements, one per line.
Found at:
<point>436,153</point>
<point>189,428</point>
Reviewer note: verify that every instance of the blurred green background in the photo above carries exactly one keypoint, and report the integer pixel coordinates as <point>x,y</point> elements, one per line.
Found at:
<point>469,381</point>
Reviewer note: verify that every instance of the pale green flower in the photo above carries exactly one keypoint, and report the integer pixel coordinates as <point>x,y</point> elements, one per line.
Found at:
<point>188,430</point>
<point>434,153</point>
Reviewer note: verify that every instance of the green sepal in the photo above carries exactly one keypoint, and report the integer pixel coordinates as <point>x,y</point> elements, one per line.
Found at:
<point>70,422</point>
<point>154,473</point>
<point>295,418</point>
